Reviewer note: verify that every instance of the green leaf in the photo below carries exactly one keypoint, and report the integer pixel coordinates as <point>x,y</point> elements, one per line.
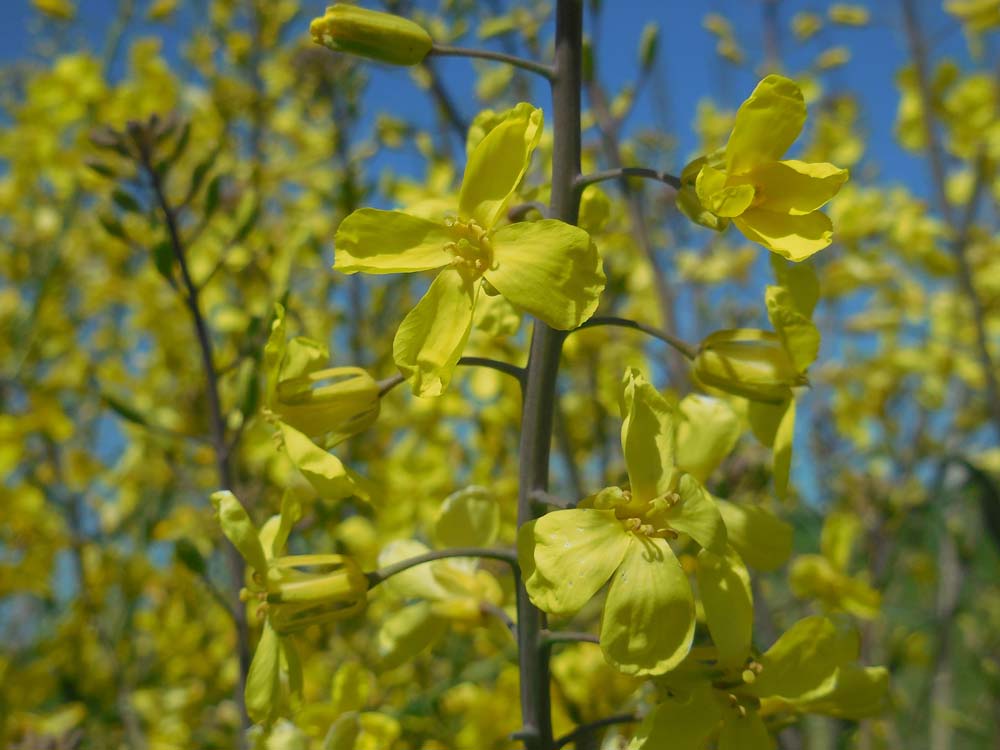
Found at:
<point>125,201</point>
<point>123,410</point>
<point>164,258</point>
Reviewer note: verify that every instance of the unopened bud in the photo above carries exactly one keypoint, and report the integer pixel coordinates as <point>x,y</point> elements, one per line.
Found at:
<point>344,400</point>
<point>649,44</point>
<point>369,33</point>
<point>747,362</point>
<point>305,590</point>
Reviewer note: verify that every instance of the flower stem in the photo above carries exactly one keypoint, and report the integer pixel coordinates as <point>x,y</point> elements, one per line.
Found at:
<point>543,367</point>
<point>518,373</point>
<point>584,729</point>
<point>376,577</point>
<point>616,174</point>
<point>683,347</point>
<point>546,71</point>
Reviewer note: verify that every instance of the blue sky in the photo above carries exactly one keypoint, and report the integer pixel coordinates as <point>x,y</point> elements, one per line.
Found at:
<point>688,67</point>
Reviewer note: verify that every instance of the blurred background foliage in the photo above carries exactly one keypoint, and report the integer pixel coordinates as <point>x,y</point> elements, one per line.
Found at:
<point>118,623</point>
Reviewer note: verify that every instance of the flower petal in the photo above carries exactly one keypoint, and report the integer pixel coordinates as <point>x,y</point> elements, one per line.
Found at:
<point>322,470</point>
<point>261,689</point>
<point>792,237</point>
<point>724,588</point>
<point>430,340</point>
<point>239,529</point>
<point>375,241</point>
<point>679,723</point>
<point>804,662</point>
<point>566,556</point>
<point>468,518</point>
<point>744,732</point>
<point>696,515</point>
<point>406,632</point>
<point>762,539</point>
<point>721,199</point>
<point>548,268</point>
<point>796,187</point>
<point>707,430</point>
<point>766,124</point>
<point>647,437</point>
<point>497,164</point>
<point>648,622</point>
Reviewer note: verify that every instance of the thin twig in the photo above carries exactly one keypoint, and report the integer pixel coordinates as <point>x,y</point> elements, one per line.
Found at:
<point>683,347</point>
<point>376,577</point>
<point>498,612</point>
<point>384,386</point>
<point>592,726</point>
<point>217,424</point>
<point>551,637</point>
<point>621,172</point>
<point>546,71</point>
<point>960,226</point>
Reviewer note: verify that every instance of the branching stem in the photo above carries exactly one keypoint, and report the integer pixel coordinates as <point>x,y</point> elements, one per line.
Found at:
<point>443,50</point>
<point>616,174</point>
<point>585,729</point>
<point>376,577</point>
<point>494,364</point>
<point>683,347</point>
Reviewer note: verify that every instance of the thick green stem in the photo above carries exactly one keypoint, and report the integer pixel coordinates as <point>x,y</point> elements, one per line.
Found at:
<point>543,367</point>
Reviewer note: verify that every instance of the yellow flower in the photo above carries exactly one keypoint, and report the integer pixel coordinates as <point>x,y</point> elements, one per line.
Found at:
<point>450,593</point>
<point>774,203</point>
<point>568,555</point>
<point>64,10</point>
<point>293,591</point>
<point>849,14</point>
<point>547,268</point>
<point>810,669</point>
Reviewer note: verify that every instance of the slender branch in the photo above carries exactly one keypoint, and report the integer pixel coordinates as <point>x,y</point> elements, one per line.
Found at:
<point>961,226</point>
<point>552,637</point>
<point>376,577</point>
<point>621,172</point>
<point>683,347</point>
<point>494,364</point>
<point>492,609</point>
<point>608,126</point>
<point>584,729</point>
<point>217,423</point>
<point>546,71</point>
<point>521,210</point>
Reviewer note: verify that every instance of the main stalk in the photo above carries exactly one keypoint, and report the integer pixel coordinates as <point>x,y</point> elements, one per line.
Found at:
<point>543,367</point>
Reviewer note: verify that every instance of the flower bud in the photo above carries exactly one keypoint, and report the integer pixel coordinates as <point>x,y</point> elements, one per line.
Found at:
<point>369,33</point>
<point>305,590</point>
<point>344,400</point>
<point>749,363</point>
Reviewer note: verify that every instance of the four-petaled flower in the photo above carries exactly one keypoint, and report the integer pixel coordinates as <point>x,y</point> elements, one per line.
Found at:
<point>566,556</point>
<point>548,268</point>
<point>774,203</point>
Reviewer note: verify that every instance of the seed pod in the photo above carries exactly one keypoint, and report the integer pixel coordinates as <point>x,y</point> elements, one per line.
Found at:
<point>369,33</point>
